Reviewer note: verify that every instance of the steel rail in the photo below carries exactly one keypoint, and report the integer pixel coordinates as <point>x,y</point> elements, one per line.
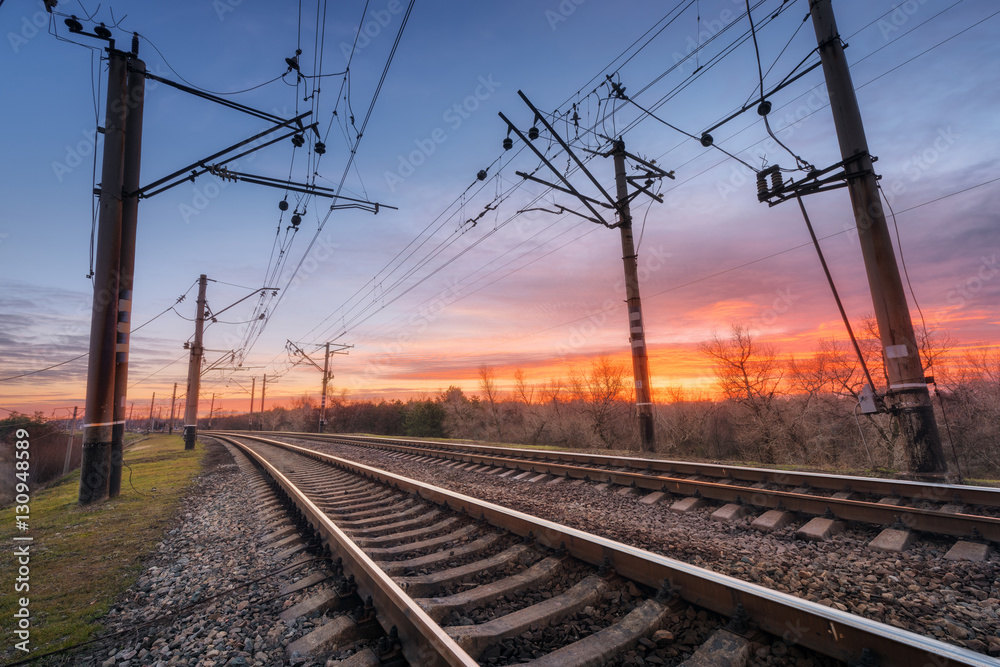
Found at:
<point>829,631</point>
<point>930,521</point>
<point>969,495</point>
<point>425,643</point>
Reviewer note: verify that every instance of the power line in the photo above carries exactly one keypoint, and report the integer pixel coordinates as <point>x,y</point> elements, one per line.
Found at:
<point>47,368</point>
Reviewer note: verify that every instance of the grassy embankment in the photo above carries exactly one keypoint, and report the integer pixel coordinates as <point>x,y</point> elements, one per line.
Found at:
<point>83,558</point>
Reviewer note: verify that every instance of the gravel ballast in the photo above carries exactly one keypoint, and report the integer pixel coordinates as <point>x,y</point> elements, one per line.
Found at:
<point>953,601</point>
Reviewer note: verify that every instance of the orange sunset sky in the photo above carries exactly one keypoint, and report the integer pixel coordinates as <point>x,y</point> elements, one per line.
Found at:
<point>467,271</point>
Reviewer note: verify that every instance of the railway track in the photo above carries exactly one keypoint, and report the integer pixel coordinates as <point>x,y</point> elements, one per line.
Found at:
<point>902,507</point>
<point>463,581</point>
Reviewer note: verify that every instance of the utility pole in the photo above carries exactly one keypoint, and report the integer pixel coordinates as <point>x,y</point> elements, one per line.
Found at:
<point>907,391</point>
<point>69,445</point>
<point>173,402</point>
<point>640,360</point>
<point>327,375</point>
<point>253,389</point>
<point>263,389</point>
<point>194,369</point>
<point>95,471</point>
<point>621,205</point>
<point>211,410</point>
<point>135,95</point>
<point>131,412</point>
<point>152,402</point>
<point>326,379</point>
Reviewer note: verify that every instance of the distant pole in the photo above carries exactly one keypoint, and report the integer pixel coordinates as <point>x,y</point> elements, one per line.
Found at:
<point>69,445</point>
<point>263,388</point>
<point>152,402</point>
<point>211,410</point>
<point>911,401</point>
<point>253,390</point>
<point>135,94</point>
<point>95,472</point>
<point>131,412</point>
<point>640,361</point>
<point>326,379</point>
<point>173,402</point>
<point>194,368</point>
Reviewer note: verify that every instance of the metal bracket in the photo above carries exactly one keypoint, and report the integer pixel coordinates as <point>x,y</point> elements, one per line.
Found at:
<point>815,181</point>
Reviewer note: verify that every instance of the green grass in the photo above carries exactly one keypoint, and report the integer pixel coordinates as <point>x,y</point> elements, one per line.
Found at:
<point>84,558</point>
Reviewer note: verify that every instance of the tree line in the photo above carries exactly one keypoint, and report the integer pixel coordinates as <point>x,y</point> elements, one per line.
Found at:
<point>768,407</point>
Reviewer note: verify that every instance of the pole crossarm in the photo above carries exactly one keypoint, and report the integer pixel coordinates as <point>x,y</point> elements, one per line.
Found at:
<point>811,183</point>
<point>617,204</point>
<point>216,365</point>
<point>213,315</point>
<point>281,184</point>
<point>565,146</point>
<point>256,113</point>
<point>145,191</point>
<point>562,209</point>
<point>568,186</point>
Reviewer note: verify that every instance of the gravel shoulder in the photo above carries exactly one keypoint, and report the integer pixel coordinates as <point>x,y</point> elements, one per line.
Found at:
<point>214,559</point>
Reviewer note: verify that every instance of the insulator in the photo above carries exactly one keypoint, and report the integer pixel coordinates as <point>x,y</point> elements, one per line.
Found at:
<point>296,219</point>
<point>508,143</point>
<point>320,148</point>
<point>298,140</point>
<point>761,186</point>
<point>776,180</point>
<point>533,133</point>
<point>764,108</point>
<point>293,63</point>
<point>481,175</point>
<point>706,140</point>
<point>283,205</point>
<point>576,119</point>
<point>73,24</point>
<point>135,43</point>
<point>102,32</point>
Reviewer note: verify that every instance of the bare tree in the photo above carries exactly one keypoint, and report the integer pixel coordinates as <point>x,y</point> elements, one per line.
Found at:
<point>533,417</point>
<point>602,392</point>
<point>491,395</point>
<point>750,375</point>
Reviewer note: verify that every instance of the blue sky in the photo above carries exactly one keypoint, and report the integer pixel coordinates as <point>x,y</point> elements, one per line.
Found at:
<point>534,290</point>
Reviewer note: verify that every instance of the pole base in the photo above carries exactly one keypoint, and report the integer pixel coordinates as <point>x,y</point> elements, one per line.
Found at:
<point>115,460</point>
<point>95,472</point>
<point>189,435</point>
